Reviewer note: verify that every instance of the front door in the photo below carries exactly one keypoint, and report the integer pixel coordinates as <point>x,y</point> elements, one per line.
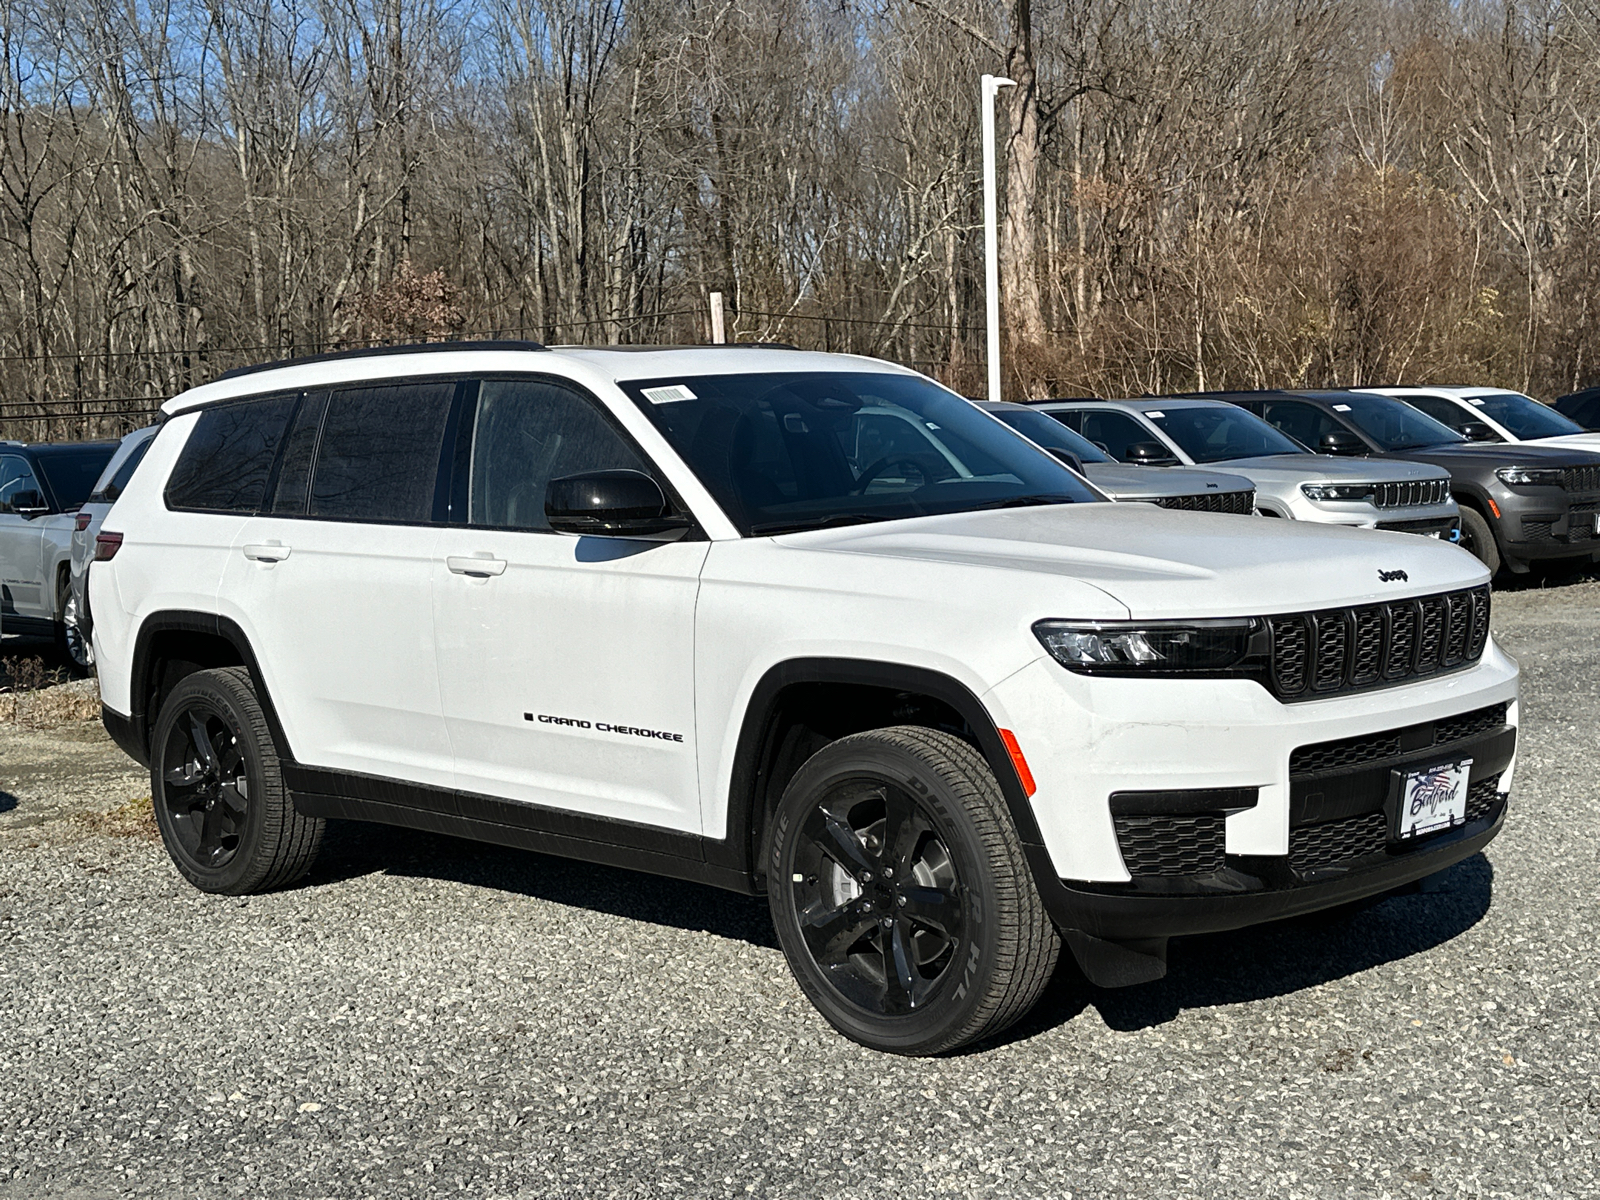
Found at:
<point>566,664</point>
<point>22,590</point>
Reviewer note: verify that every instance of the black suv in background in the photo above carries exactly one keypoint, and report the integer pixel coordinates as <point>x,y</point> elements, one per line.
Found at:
<point>1581,406</point>
<point>1519,503</point>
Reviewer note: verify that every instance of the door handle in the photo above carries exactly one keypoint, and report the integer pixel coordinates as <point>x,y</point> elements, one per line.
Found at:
<point>480,568</point>
<point>271,552</point>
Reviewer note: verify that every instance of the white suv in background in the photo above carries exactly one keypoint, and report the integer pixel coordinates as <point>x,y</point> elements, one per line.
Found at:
<point>1507,416</point>
<point>722,614</point>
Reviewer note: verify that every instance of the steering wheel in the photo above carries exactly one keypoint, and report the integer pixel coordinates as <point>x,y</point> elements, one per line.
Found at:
<point>916,461</point>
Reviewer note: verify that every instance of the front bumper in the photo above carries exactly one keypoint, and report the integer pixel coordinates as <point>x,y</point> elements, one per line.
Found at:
<point>1442,521</point>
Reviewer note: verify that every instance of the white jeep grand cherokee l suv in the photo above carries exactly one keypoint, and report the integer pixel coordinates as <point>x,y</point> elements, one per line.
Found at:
<point>721,614</point>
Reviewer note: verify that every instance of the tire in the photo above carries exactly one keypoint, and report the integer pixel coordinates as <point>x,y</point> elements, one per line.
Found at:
<point>69,638</point>
<point>223,837</point>
<point>1478,539</point>
<point>971,933</point>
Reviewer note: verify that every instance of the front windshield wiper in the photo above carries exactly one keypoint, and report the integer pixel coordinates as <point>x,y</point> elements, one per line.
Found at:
<point>768,528</point>
<point>1019,502</point>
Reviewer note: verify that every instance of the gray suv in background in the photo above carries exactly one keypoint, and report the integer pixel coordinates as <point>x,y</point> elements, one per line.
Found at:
<point>1290,481</point>
<point>1520,503</point>
<point>1178,487</point>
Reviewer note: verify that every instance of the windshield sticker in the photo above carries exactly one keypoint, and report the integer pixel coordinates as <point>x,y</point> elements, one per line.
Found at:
<point>671,394</point>
<point>1341,408</point>
<point>1476,401</point>
<point>1159,416</point>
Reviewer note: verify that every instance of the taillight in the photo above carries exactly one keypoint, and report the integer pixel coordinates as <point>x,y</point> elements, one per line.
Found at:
<point>83,521</point>
<point>106,546</point>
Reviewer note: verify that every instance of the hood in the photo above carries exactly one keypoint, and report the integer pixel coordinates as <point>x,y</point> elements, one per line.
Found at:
<point>1122,482</point>
<point>1291,470</point>
<point>1161,563</point>
<point>1486,456</point>
<point>1589,442</point>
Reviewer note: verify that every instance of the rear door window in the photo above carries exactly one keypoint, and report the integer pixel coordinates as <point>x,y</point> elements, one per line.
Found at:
<point>109,489</point>
<point>378,456</point>
<point>227,461</point>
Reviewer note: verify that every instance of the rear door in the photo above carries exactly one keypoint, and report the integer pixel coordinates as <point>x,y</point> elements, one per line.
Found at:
<point>566,663</point>
<point>330,582</point>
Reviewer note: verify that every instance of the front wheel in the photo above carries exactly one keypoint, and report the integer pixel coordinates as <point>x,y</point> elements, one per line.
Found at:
<point>901,896</point>
<point>226,819</point>
<point>1478,539</point>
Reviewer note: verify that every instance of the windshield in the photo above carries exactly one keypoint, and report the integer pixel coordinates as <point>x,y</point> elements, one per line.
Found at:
<point>72,470</point>
<point>1051,434</point>
<point>1392,424</point>
<point>1210,434</point>
<point>781,452</point>
<point>1524,416</point>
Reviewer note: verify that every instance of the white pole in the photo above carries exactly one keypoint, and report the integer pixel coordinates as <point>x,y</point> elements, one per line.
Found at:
<point>719,334</point>
<point>991,234</point>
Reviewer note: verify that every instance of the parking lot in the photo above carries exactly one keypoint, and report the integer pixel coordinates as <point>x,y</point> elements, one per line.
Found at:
<point>424,1016</point>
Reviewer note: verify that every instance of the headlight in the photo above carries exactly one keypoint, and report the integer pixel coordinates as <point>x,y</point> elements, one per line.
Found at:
<point>1337,491</point>
<point>1133,647</point>
<point>1530,476</point>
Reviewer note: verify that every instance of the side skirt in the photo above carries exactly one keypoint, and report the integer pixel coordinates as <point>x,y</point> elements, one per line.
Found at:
<point>322,793</point>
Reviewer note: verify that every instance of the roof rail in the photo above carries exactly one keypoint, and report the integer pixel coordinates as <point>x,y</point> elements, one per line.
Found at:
<point>377,352</point>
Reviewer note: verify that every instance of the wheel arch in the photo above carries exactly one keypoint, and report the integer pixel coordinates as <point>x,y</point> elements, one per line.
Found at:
<point>173,644</point>
<point>779,732</point>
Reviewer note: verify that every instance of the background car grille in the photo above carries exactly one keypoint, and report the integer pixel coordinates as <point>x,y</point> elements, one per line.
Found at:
<point>1581,479</point>
<point>1410,493</point>
<point>1333,842</point>
<point>1243,503</point>
<point>1371,747</point>
<point>1323,653</point>
<point>1171,844</point>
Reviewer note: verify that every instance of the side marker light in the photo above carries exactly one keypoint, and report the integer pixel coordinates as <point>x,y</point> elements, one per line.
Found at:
<point>1017,761</point>
<point>1493,507</point>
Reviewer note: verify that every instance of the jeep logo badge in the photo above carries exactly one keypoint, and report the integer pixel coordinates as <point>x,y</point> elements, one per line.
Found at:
<point>1391,576</point>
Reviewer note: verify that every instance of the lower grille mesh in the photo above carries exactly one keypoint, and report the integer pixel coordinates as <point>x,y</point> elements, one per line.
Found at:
<point>1333,842</point>
<point>1171,844</point>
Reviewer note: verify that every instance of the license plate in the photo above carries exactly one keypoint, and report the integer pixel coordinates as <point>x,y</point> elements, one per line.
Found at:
<point>1432,799</point>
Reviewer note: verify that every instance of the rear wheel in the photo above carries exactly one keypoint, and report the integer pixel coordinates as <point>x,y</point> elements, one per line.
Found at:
<point>69,637</point>
<point>901,895</point>
<point>1478,538</point>
<point>225,817</point>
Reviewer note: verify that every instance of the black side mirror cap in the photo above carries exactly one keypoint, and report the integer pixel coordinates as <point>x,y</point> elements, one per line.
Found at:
<point>609,504</point>
<point>1341,441</point>
<point>1150,454</point>
<point>1068,457</point>
<point>29,504</point>
<point>1477,431</point>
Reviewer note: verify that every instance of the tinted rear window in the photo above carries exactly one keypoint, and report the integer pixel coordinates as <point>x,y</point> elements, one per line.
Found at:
<point>378,457</point>
<point>70,472</point>
<point>107,491</point>
<point>228,458</point>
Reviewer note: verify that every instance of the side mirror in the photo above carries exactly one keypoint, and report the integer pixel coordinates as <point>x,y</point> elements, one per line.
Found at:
<point>609,504</point>
<point>1150,454</point>
<point>1069,458</point>
<point>1477,431</point>
<point>29,504</point>
<point>1341,441</point>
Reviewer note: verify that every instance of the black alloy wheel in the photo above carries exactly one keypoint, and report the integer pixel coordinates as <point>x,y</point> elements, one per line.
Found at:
<point>229,824</point>
<point>207,785</point>
<point>879,900</point>
<point>900,893</point>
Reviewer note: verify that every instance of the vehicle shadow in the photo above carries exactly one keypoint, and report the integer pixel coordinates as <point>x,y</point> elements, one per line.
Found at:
<point>355,848</point>
<point>1203,971</point>
<point>1279,958</point>
<point>7,802</point>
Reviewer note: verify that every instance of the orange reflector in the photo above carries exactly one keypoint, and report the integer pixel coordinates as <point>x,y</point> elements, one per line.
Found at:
<point>1017,761</point>
<point>1493,507</point>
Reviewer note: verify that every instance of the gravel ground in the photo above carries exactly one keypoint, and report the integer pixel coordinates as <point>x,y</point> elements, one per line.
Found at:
<point>430,1017</point>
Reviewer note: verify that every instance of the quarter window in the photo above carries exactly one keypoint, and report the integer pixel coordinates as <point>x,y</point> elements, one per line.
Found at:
<point>378,457</point>
<point>225,464</point>
<point>528,432</point>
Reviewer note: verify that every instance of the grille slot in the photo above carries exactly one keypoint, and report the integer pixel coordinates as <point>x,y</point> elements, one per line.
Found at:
<point>1171,844</point>
<point>1242,503</point>
<point>1333,842</point>
<point>1344,649</point>
<point>1373,747</point>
